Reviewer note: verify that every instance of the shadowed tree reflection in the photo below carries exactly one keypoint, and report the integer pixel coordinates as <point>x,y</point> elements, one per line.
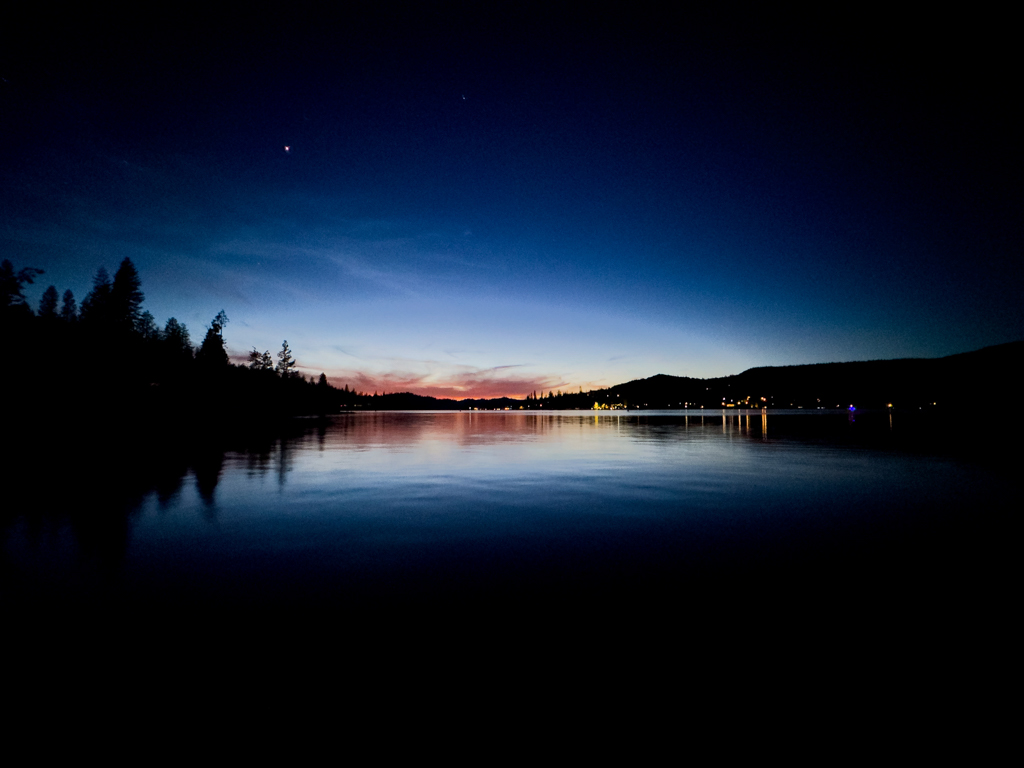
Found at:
<point>259,459</point>
<point>74,539</point>
<point>285,462</point>
<point>207,468</point>
<point>169,480</point>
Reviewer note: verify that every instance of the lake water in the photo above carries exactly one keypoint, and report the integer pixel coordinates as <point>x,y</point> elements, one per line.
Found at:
<point>484,507</point>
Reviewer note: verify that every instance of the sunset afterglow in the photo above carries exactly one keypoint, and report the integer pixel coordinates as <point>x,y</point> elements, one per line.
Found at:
<point>481,208</point>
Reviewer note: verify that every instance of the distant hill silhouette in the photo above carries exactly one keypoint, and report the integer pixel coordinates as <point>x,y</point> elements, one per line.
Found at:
<point>968,378</point>
<point>960,379</point>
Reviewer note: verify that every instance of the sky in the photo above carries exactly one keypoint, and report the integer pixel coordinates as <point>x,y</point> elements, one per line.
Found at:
<point>467,203</point>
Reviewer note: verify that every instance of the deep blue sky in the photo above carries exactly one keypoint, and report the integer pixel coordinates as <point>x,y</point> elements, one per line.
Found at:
<point>487,204</point>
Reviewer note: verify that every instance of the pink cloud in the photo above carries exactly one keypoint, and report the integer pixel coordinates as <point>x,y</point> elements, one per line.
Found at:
<point>485,383</point>
<point>488,383</point>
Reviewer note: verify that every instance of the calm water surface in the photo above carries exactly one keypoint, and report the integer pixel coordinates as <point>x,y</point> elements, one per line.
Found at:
<point>367,505</point>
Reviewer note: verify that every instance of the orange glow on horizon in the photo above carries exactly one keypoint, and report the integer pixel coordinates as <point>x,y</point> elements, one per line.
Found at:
<point>473,386</point>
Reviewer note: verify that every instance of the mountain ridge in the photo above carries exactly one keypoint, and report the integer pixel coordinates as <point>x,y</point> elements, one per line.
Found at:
<point>901,382</point>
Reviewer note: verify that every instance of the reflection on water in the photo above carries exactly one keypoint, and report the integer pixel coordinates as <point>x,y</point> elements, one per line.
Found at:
<point>427,503</point>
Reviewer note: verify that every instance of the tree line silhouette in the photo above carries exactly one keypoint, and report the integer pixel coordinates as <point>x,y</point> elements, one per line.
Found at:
<point>107,359</point>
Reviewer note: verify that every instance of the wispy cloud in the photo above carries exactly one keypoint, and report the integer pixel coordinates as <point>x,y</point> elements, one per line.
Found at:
<point>498,381</point>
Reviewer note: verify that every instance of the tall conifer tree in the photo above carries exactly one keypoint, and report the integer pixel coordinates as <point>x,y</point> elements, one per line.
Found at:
<point>69,308</point>
<point>126,296</point>
<point>48,303</point>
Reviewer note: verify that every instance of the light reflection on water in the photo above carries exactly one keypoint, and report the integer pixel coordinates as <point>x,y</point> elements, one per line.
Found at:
<point>413,502</point>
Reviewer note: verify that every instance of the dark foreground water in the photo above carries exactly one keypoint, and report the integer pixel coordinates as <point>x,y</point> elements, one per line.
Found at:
<point>664,513</point>
<point>812,570</point>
